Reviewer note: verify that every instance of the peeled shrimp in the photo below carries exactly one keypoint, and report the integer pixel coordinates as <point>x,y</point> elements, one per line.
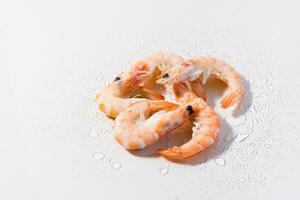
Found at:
<point>143,123</point>
<point>205,130</point>
<point>204,67</point>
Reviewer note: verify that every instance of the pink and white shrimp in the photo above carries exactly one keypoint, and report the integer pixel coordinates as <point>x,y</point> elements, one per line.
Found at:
<point>205,67</point>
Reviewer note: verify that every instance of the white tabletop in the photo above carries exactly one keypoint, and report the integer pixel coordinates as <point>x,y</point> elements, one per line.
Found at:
<point>55,55</point>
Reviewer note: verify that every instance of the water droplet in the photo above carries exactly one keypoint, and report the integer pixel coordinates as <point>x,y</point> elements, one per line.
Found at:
<point>64,115</point>
<point>244,130</point>
<point>263,177</point>
<point>177,197</point>
<point>253,110</point>
<point>220,161</point>
<point>252,144</point>
<point>94,133</point>
<point>230,137</point>
<point>75,162</point>
<point>251,179</point>
<point>164,171</point>
<point>197,126</point>
<point>264,80</point>
<point>241,138</point>
<point>116,165</point>
<point>195,45</point>
<point>242,180</point>
<point>267,145</point>
<point>291,114</point>
<point>98,156</point>
<point>236,121</point>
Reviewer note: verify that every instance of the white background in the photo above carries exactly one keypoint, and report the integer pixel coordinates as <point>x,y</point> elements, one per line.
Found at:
<point>55,55</point>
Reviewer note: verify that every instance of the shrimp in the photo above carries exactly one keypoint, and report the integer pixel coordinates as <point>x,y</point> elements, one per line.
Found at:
<point>164,61</point>
<point>143,123</point>
<point>118,95</point>
<point>161,60</point>
<point>137,82</point>
<point>205,130</point>
<point>204,67</point>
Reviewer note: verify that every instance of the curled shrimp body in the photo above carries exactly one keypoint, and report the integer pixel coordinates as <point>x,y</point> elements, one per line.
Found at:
<point>117,95</point>
<point>163,61</point>
<point>205,130</point>
<point>205,67</point>
<point>111,104</point>
<point>143,123</point>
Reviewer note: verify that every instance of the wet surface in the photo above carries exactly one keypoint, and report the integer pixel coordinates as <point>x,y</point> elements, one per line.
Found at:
<point>56,145</point>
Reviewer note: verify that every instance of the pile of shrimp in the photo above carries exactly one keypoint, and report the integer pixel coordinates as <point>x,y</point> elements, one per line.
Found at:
<point>161,92</point>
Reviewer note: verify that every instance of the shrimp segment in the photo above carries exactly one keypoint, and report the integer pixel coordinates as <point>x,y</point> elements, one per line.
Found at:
<point>203,68</point>
<point>143,123</point>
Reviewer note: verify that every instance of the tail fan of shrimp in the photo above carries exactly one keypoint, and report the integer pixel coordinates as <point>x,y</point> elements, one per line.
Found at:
<point>231,99</point>
<point>150,94</point>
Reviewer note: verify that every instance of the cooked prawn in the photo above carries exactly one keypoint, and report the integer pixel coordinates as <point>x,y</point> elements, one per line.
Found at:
<point>164,61</point>
<point>118,95</point>
<point>143,123</point>
<point>205,130</point>
<point>205,67</point>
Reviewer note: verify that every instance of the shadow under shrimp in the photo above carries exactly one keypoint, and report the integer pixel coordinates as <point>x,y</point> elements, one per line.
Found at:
<point>217,149</point>
<point>215,89</point>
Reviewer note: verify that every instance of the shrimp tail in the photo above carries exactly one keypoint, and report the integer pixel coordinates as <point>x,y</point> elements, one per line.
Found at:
<point>173,153</point>
<point>150,94</point>
<point>231,99</point>
<point>156,106</point>
<point>197,88</point>
<point>189,149</point>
